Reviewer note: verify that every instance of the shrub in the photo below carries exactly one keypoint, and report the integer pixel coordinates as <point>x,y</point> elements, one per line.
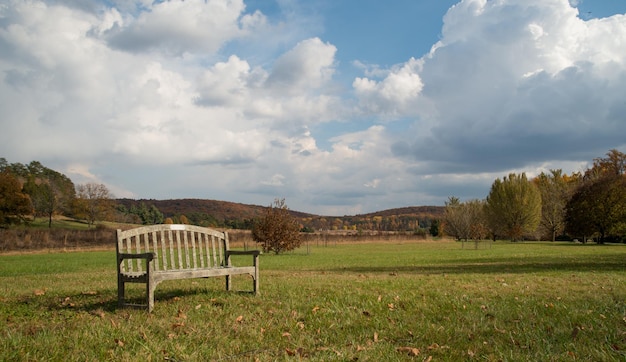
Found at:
<point>277,230</point>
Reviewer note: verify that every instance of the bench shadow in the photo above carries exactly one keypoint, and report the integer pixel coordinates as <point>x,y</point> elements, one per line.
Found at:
<point>106,301</point>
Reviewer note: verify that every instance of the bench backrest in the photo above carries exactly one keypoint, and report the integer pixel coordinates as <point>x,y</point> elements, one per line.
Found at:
<point>176,247</point>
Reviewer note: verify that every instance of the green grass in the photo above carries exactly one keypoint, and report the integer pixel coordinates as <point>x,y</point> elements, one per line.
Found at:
<point>365,302</point>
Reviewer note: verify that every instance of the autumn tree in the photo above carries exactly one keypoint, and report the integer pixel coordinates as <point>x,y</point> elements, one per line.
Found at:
<point>93,202</point>
<point>51,192</point>
<point>598,207</point>
<point>555,189</point>
<point>513,206</point>
<point>14,204</point>
<point>277,230</point>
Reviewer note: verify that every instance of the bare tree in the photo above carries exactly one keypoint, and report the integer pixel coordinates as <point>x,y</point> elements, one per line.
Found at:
<point>92,202</point>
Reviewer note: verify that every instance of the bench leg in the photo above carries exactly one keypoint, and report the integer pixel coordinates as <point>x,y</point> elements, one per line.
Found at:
<point>121,292</point>
<point>229,282</point>
<point>150,295</point>
<point>255,283</point>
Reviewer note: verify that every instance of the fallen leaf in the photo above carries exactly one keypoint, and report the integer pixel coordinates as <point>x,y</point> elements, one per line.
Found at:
<point>99,313</point>
<point>433,346</point>
<point>315,309</point>
<point>360,348</point>
<point>390,306</point>
<point>198,306</point>
<point>39,292</point>
<point>411,351</point>
<point>181,315</point>
<point>300,325</point>
<point>430,358</point>
<point>375,336</point>
<point>286,334</point>
<point>239,319</point>
<point>178,325</point>
<point>119,342</point>
<point>299,351</point>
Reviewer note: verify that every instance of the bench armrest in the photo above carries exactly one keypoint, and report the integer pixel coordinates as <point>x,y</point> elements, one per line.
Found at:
<point>244,252</point>
<point>255,255</point>
<point>148,256</point>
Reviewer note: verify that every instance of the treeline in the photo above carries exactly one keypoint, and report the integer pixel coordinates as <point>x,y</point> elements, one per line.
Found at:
<point>584,205</point>
<point>581,206</point>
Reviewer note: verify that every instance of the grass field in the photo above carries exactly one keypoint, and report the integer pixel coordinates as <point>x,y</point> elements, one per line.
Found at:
<point>413,301</point>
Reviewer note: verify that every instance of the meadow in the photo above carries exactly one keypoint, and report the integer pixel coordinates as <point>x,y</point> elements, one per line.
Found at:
<point>393,301</point>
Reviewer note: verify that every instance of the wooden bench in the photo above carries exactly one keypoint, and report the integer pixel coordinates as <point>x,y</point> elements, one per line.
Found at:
<point>152,254</point>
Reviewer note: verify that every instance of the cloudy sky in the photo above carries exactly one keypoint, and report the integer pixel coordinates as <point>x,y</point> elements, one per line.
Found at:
<point>341,107</point>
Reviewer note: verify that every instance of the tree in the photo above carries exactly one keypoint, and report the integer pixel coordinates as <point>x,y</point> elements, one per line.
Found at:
<point>434,228</point>
<point>454,223</point>
<point>614,164</point>
<point>598,206</point>
<point>92,202</point>
<point>277,230</point>
<point>14,204</point>
<point>50,192</point>
<point>43,199</point>
<point>513,206</point>
<point>465,220</point>
<point>555,189</point>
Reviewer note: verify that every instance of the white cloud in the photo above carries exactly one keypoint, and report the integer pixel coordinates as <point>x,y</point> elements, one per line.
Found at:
<point>305,68</point>
<point>396,93</point>
<point>179,27</point>
<point>201,99</point>
<point>516,82</point>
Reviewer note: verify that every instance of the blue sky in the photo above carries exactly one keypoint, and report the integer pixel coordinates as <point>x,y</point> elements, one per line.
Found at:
<point>340,106</point>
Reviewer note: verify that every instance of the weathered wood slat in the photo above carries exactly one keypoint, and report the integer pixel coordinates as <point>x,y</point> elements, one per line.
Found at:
<point>185,251</point>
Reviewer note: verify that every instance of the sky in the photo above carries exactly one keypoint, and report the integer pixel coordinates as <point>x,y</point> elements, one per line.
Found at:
<point>341,107</point>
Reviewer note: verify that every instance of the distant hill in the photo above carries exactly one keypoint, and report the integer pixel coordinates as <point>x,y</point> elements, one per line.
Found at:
<point>225,213</point>
<point>435,211</point>
<point>221,210</point>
